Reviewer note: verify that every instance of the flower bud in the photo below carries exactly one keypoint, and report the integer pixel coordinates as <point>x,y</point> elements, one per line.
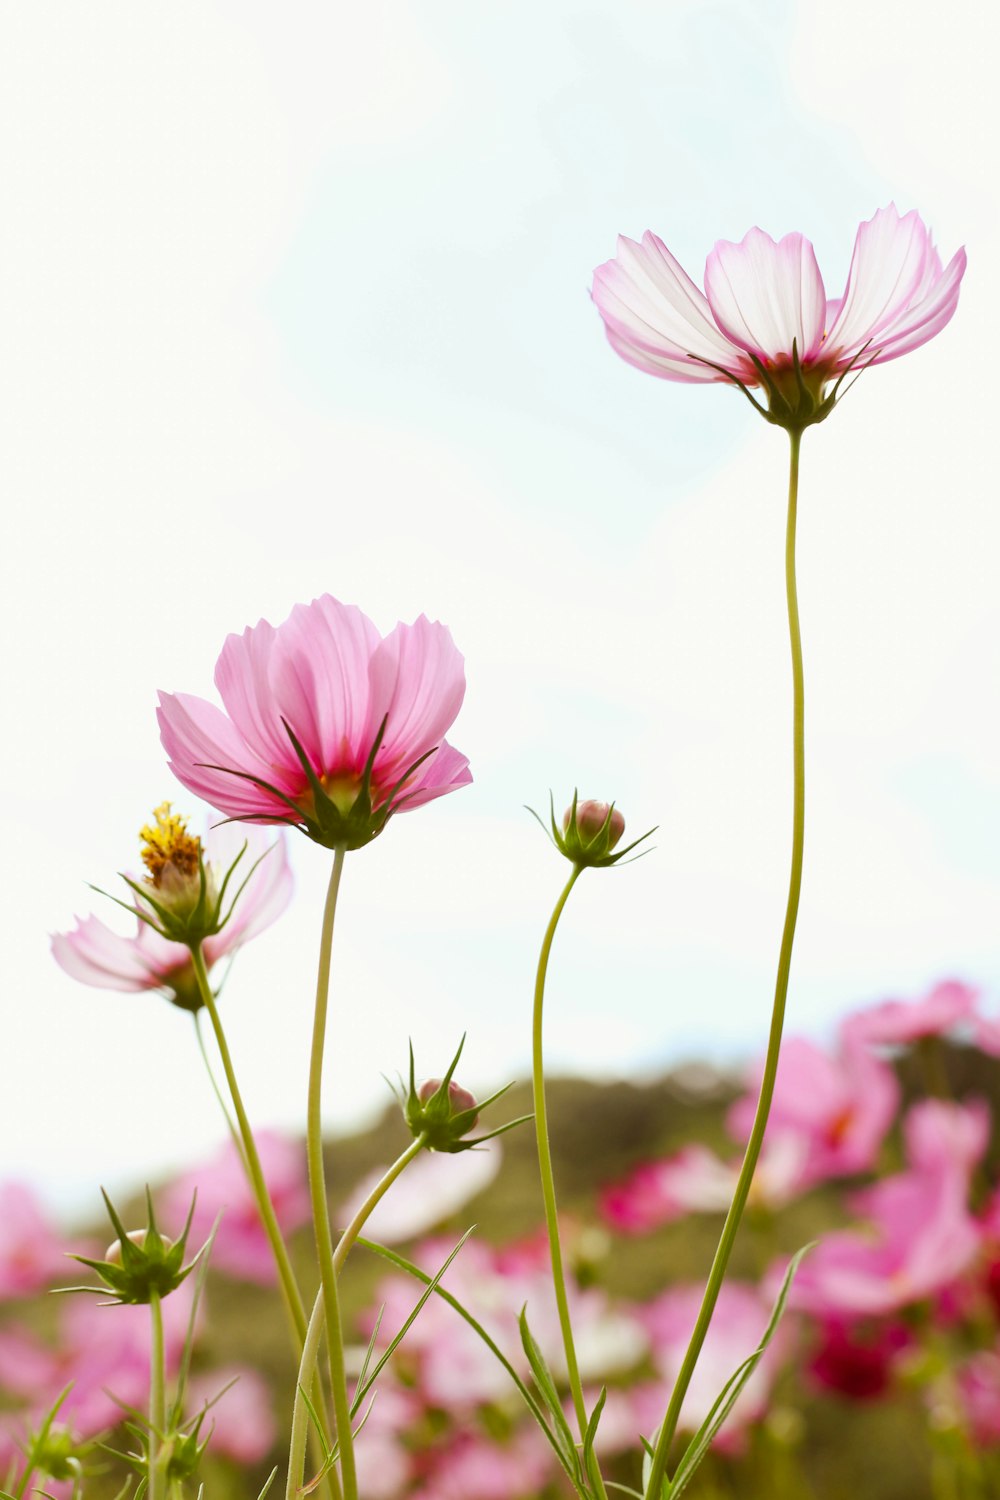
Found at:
<point>142,1263</point>
<point>594,819</point>
<point>590,831</point>
<point>441,1113</point>
<point>460,1101</point>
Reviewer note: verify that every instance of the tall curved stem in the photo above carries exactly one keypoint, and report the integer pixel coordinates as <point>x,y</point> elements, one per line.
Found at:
<point>661,1452</point>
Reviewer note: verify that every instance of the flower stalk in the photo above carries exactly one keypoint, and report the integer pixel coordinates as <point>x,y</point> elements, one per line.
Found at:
<point>155,1467</point>
<point>289,1288</point>
<point>661,1452</point>
<point>310,1349</point>
<point>317,1191</point>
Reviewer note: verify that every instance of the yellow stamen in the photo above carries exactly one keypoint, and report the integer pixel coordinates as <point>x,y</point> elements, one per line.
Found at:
<point>168,843</point>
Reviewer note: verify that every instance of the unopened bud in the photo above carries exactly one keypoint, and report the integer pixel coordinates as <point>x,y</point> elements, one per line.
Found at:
<point>137,1237</point>
<point>592,818</point>
<point>459,1099</point>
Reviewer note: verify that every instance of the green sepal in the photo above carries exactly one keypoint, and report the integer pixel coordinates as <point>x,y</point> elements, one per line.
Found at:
<point>593,853</point>
<point>153,1269</point>
<point>443,1127</point>
<point>329,824</point>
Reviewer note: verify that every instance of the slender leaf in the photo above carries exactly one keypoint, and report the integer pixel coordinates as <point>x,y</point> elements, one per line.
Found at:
<point>402,1264</point>
<point>699,1444</point>
<point>548,1391</point>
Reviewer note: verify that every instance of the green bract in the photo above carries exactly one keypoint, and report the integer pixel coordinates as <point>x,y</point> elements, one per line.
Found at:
<point>442,1117</point>
<point>150,1265</point>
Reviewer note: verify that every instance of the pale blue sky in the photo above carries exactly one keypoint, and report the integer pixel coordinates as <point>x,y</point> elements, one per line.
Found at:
<point>296,300</point>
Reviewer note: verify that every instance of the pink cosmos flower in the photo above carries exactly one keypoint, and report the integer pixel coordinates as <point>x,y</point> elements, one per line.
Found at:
<point>94,954</point>
<point>837,1106</point>
<point>897,1022</point>
<point>241,1420</point>
<point>241,1246</point>
<point>922,1236</point>
<point>858,1357</point>
<point>31,1253</point>
<point>738,1325</point>
<point>978,1385</point>
<point>695,1180</point>
<point>327,725</point>
<point>764,318</point>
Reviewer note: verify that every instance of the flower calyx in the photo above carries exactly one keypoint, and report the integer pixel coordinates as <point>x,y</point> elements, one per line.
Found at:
<point>442,1112</point>
<point>798,396</point>
<point>341,812</point>
<point>142,1263</point>
<point>590,832</point>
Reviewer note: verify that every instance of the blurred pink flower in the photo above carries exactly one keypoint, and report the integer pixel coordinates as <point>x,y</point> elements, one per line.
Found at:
<point>838,1107</point>
<point>386,1461</point>
<point>922,1236</point>
<point>476,1468</point>
<point>762,298</point>
<point>31,1253</point>
<point>328,678</point>
<point>897,1022</point>
<point>103,1350</point>
<point>241,1422</point>
<point>432,1188</point>
<point>857,1357</point>
<point>95,955</point>
<point>738,1325</point>
<point>695,1180</point>
<point>449,1364</point>
<point>241,1247</point>
<point>978,1385</point>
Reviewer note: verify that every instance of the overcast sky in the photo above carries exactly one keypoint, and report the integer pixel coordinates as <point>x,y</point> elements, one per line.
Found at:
<point>295,300</point>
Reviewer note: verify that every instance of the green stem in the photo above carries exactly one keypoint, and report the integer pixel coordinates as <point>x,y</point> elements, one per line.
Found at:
<point>310,1351</point>
<point>546,1174</point>
<point>317,1191</point>
<point>661,1452</point>
<point>157,1401</point>
<point>230,1122</point>
<point>290,1292</point>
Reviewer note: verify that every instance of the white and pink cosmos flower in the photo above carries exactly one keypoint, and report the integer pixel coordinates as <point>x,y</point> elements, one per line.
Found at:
<point>96,955</point>
<point>325,725</point>
<point>765,307</point>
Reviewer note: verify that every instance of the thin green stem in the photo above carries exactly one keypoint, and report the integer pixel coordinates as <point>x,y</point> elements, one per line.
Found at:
<point>546,1174</point>
<point>658,1468</point>
<point>157,1402</point>
<point>317,1191</point>
<point>230,1122</point>
<point>286,1276</point>
<point>310,1350</point>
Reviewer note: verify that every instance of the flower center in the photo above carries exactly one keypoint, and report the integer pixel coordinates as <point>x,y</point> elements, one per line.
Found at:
<point>167,845</point>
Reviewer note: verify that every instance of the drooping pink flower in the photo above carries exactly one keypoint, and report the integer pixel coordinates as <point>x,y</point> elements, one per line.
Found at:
<point>241,1420</point>
<point>241,1246</point>
<point>31,1253</point>
<point>765,307</point>
<point>838,1106</point>
<point>898,1022</point>
<point>94,954</point>
<point>921,1236</point>
<point>327,725</point>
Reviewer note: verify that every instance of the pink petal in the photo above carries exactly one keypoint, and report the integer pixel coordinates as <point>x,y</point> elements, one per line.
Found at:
<point>765,295</point>
<point>95,955</point>
<point>320,684</point>
<point>197,736</point>
<point>417,684</point>
<point>921,322</point>
<point>444,771</point>
<point>656,317</point>
<point>892,261</point>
